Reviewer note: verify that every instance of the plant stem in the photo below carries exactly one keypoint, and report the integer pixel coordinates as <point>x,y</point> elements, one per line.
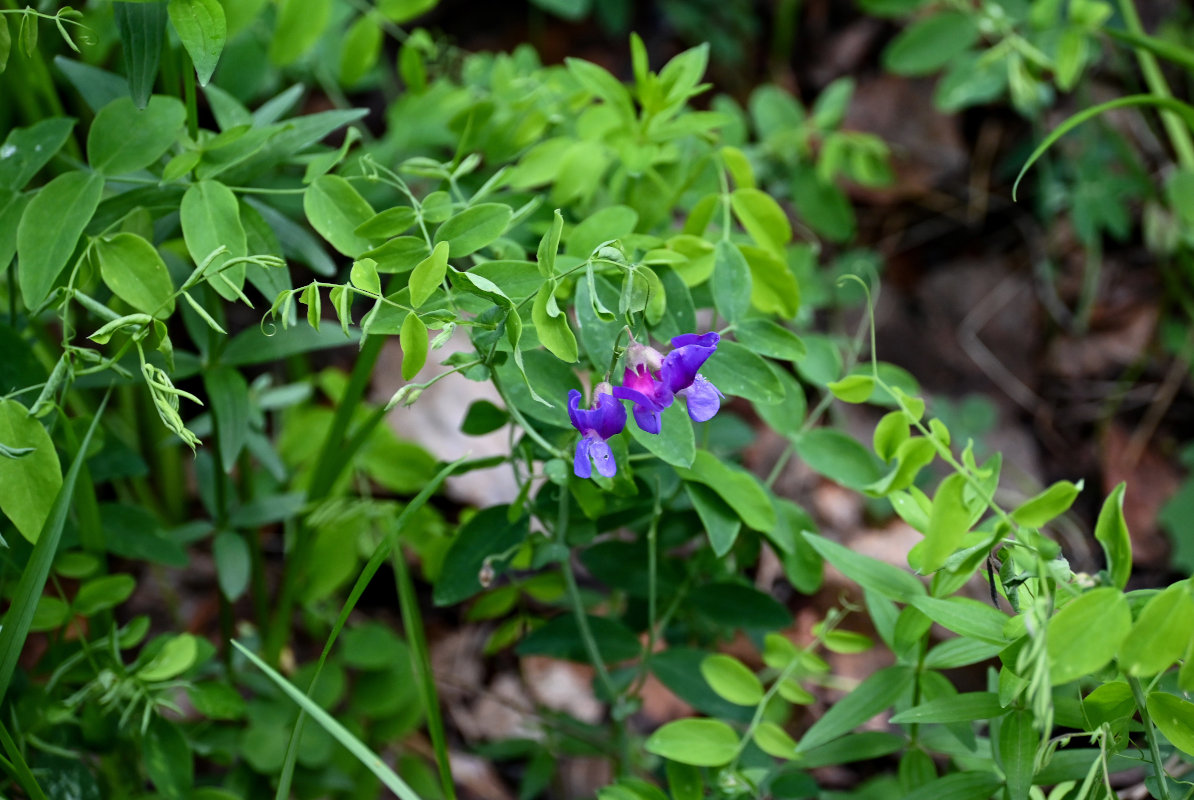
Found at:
<point>1179,135</point>
<point>1151,734</point>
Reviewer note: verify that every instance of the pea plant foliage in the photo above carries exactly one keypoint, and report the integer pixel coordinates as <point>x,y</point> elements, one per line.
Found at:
<point>199,286</point>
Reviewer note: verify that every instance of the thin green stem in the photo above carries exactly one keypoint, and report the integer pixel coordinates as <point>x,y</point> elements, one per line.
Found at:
<point>1151,734</point>
<point>1179,134</point>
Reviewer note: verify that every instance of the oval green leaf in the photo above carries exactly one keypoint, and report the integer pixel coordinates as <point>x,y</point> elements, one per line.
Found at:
<point>335,209</point>
<point>136,273</point>
<point>473,228</point>
<point>123,139</point>
<point>699,742</point>
<point>1160,634</point>
<point>50,228</point>
<point>203,29</point>
<point>413,339</point>
<point>32,481</point>
<point>1085,634</point>
<point>731,679</point>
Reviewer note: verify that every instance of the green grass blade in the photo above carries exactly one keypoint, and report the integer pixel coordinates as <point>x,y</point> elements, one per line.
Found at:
<point>19,769</point>
<point>37,571</point>
<point>1158,47</point>
<point>380,554</point>
<point>354,745</point>
<point>1184,110</point>
<point>412,623</point>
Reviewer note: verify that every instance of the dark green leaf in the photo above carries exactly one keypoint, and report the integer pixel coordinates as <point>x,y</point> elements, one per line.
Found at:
<point>560,638</point>
<point>142,29</point>
<point>735,605</point>
<point>50,229</point>
<point>721,523</point>
<point>931,43</point>
<point>730,283</point>
<point>869,698</point>
<point>136,273</point>
<point>838,457</point>
<point>27,150</point>
<point>954,708</point>
<point>869,573</point>
<point>736,371</point>
<point>335,209</point>
<point>166,753</point>
<point>210,218</point>
<point>483,417</point>
<point>489,533</point>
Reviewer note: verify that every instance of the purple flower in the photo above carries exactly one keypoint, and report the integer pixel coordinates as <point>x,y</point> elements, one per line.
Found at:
<point>596,425</point>
<point>680,374</point>
<point>650,397</point>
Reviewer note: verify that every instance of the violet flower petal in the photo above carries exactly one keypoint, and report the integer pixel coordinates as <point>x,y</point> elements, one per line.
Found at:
<point>609,418</point>
<point>691,351</point>
<point>603,457</point>
<point>703,398</point>
<point>580,461</point>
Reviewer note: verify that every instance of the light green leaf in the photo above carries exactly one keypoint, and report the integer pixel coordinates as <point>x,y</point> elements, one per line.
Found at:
<point>965,617</point>
<point>837,456</point>
<point>429,274</point>
<point>402,11</point>
<point>549,245</point>
<point>202,29</point>
<point>299,26</point>
<point>100,594</point>
<point>852,388</point>
<point>770,339</point>
<point>731,679</point>
<point>1161,633</point>
<point>675,443</point>
<point>763,219</point>
<point>1018,742</point>
<point>32,481</point>
<point>413,339</point>
<point>336,209</point>
<point>948,523</point>
<point>1112,532</point>
<point>360,49</point>
<point>553,331</point>
<point>1175,718</point>
<point>473,228</point>
<point>50,228</point>
<point>775,741</point>
<point>1049,504</point>
<point>1085,634</point>
<point>168,758</point>
<point>699,742</point>
<point>136,273</point>
<point>174,658</point>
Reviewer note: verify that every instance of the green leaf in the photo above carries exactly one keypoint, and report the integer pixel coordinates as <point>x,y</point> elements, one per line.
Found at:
<point>774,741</point>
<point>30,149</point>
<point>354,745</point>
<point>675,443</point>
<point>167,756</point>
<point>684,781</point>
<point>869,698</point>
<point>210,218</point>
<point>142,28</point>
<point>175,657</point>
<point>386,224</point>
<point>953,708</point>
<point>1018,742</point>
<point>483,417</point>
<point>699,742</point>
<point>862,746</point>
<point>234,563</point>
<point>228,396</point>
<point>428,275</point>
<point>1085,634</point>
<point>838,456</point>
<point>335,209</point>
<point>402,11</point>
<point>852,388</point>
<point>23,605</point>
<point>965,617</point>
<point>948,523</point>
<point>1049,504</point>
<point>5,42</point>
<point>300,24</point>
<point>553,331</point>
<point>360,49</point>
<point>731,679</point>
<point>737,371</point>
<point>1161,633</point>
<point>1174,717</point>
<point>136,273</point>
<point>731,284</point>
<point>609,223</point>
<point>572,10</point>
<point>488,534</point>
<point>549,245</point>
<point>50,228</point>
<point>123,139</point>
<point>414,342</point>
<point>770,339</point>
<point>202,29</point>
<point>722,524</point>
<point>100,594</point>
<point>561,638</point>
<point>958,786</point>
<point>869,573</point>
<point>929,44</point>
<point>741,490</point>
<point>473,228</point>
<point>763,219</point>
<point>1112,532</point>
<point>735,605</point>
<point>32,481</point>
